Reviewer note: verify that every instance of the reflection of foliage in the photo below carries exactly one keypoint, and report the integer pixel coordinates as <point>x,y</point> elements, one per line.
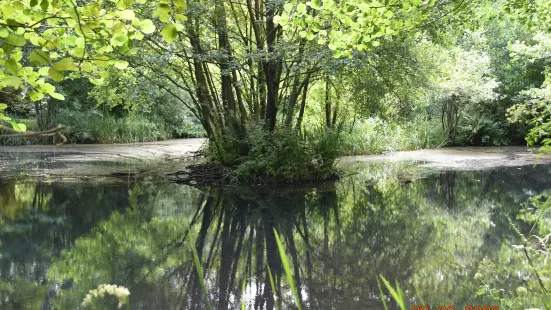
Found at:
<point>520,277</point>
<point>22,294</point>
<point>38,220</point>
<point>430,231</point>
<point>14,196</point>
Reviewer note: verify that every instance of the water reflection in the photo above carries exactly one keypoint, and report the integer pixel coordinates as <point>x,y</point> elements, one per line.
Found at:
<point>430,233</point>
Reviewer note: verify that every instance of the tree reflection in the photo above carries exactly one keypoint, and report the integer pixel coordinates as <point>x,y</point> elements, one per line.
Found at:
<point>59,241</point>
<point>336,249</point>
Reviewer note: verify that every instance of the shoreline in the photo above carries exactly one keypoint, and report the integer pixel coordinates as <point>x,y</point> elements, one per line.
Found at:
<point>85,161</point>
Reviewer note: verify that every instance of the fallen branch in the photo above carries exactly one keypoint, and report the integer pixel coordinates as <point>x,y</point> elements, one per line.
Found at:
<point>30,134</point>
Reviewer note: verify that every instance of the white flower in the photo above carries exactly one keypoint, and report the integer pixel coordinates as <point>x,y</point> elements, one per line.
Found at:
<point>120,292</point>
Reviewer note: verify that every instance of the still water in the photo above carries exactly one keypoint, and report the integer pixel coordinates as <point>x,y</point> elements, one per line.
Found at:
<point>437,233</point>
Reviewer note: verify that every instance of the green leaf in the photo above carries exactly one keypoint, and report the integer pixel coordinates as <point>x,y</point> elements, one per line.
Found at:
<point>3,106</point>
<point>18,127</point>
<point>169,32</point>
<point>127,14</point>
<point>121,64</point>
<point>122,38</point>
<point>147,26</point>
<point>11,66</point>
<point>56,75</point>
<point>44,4</point>
<point>315,4</point>
<point>39,58</point>
<point>128,3</point>
<point>375,43</point>
<point>47,88</point>
<point>66,64</point>
<point>97,82</point>
<point>3,32</point>
<point>34,3</point>
<point>16,40</point>
<point>57,96</point>
<point>10,81</point>
<point>36,96</point>
<point>43,71</point>
<point>288,7</point>
<point>301,8</point>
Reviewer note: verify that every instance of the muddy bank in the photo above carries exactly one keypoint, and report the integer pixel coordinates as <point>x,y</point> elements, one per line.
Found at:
<point>96,162</point>
<point>457,158</point>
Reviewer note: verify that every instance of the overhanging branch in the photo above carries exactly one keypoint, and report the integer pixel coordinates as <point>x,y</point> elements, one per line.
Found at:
<point>30,134</point>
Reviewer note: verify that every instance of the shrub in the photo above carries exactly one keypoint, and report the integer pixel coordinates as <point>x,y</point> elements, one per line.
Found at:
<point>474,129</point>
<point>282,155</point>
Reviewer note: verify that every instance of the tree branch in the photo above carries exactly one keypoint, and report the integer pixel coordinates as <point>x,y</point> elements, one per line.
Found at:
<point>30,134</point>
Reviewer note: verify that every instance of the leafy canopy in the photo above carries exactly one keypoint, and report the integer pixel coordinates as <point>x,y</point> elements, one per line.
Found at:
<point>357,24</point>
<point>44,40</point>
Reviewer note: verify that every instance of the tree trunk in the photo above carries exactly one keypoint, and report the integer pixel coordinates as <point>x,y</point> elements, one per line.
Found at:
<point>302,104</point>
<point>327,103</point>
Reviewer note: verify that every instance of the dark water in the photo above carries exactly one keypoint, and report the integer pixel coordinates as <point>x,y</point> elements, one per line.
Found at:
<point>431,232</point>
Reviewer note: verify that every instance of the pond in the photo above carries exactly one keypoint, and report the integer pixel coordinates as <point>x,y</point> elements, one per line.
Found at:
<point>446,237</point>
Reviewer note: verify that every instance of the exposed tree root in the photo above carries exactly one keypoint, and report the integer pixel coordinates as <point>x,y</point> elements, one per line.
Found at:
<point>205,175</point>
<point>202,175</point>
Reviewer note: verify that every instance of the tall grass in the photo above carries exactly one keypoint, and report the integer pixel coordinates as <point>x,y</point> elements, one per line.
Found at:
<point>397,293</point>
<point>376,136</point>
<point>272,285</point>
<point>97,129</point>
<point>287,268</point>
<point>93,127</point>
<point>198,268</point>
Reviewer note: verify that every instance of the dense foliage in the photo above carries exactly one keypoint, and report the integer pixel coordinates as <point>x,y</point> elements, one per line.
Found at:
<point>259,78</point>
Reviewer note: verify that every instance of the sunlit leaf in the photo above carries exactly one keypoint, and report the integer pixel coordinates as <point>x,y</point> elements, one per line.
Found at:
<point>121,64</point>
<point>147,26</point>
<point>169,32</point>
<point>66,64</point>
<point>57,96</point>
<point>56,75</point>
<point>15,40</point>
<point>10,81</point>
<point>127,14</point>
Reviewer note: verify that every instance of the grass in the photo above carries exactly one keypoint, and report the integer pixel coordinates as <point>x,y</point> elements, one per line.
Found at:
<point>287,268</point>
<point>272,285</point>
<point>198,268</point>
<point>397,293</point>
<point>376,136</point>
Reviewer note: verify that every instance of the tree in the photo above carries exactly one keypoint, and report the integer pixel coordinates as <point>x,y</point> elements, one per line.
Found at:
<point>43,41</point>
